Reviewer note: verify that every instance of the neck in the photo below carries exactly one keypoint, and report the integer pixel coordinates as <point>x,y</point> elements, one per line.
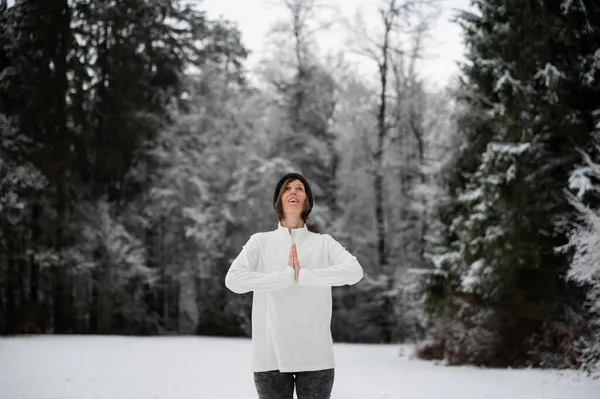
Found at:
<point>292,222</point>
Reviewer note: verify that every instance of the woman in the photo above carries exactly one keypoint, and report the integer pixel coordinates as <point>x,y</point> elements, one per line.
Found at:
<point>291,271</point>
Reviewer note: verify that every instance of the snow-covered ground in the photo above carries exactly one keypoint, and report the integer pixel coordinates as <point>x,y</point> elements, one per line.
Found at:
<point>113,367</point>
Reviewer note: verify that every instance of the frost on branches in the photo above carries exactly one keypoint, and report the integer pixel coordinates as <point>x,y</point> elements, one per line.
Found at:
<point>471,262</point>
<point>584,242</point>
<point>483,226</point>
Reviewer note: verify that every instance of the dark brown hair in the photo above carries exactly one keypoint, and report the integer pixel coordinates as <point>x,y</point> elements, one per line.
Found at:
<point>279,205</point>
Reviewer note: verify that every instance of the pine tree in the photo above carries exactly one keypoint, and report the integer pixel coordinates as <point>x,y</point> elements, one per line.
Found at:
<point>19,179</point>
<point>87,84</point>
<point>38,38</point>
<point>584,241</point>
<point>499,292</point>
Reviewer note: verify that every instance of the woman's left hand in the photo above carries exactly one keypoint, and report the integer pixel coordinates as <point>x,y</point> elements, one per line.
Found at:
<point>296,264</point>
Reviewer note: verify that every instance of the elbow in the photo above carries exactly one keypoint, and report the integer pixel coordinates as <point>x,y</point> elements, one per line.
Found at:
<point>232,285</point>
<point>357,273</point>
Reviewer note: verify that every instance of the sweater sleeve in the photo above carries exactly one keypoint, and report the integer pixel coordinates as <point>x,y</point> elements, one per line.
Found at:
<point>242,276</point>
<point>344,268</point>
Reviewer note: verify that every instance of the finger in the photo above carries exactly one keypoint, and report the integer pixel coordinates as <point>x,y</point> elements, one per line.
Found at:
<point>295,262</point>
<point>291,259</point>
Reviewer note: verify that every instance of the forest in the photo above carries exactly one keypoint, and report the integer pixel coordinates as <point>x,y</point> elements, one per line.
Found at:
<point>138,155</point>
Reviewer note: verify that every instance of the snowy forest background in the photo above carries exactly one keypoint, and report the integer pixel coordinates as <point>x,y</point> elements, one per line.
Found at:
<point>137,156</point>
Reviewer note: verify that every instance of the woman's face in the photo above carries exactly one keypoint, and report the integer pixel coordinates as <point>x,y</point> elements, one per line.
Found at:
<point>293,198</point>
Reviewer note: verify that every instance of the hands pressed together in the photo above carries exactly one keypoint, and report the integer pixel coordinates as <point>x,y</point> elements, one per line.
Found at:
<point>293,261</point>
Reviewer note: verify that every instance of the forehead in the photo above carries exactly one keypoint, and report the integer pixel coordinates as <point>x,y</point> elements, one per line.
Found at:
<point>295,183</point>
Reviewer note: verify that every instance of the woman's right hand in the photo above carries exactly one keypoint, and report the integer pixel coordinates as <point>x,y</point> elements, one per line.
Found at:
<point>292,262</point>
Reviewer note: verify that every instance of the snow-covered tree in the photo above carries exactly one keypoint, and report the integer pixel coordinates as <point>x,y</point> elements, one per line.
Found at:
<point>99,79</point>
<point>521,121</point>
<point>21,184</point>
<point>111,261</point>
<point>584,243</point>
<point>397,148</point>
<point>304,94</point>
<point>395,47</point>
<point>212,190</point>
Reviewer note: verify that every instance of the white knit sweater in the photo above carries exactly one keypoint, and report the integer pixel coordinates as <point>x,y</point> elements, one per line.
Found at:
<point>291,320</point>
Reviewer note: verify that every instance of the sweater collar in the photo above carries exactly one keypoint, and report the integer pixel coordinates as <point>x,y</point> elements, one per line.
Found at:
<point>295,233</point>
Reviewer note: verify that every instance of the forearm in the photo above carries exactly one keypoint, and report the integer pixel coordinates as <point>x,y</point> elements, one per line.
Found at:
<point>242,281</point>
<point>336,275</point>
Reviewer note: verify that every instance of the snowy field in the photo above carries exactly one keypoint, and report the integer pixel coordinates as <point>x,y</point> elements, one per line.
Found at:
<point>80,367</point>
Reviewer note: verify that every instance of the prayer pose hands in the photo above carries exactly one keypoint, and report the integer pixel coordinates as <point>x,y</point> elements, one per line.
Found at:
<point>293,261</point>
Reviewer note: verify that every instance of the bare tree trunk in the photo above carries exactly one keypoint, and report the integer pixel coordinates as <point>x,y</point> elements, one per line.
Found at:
<point>106,298</point>
<point>388,17</point>
<point>34,269</point>
<point>94,302</point>
<point>36,232</point>
<point>60,286</point>
<point>416,128</point>
<point>62,195</point>
<point>177,305</point>
<point>296,7</point>
<point>11,313</point>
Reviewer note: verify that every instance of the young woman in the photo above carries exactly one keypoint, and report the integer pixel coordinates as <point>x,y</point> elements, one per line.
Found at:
<point>291,271</point>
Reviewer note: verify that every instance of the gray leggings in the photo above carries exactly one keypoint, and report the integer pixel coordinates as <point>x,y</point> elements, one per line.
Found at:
<point>309,384</point>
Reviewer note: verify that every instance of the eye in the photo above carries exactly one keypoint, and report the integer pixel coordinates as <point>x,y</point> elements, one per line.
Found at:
<point>300,188</point>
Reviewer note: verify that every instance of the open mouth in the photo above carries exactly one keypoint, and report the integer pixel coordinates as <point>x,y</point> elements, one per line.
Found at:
<point>292,200</point>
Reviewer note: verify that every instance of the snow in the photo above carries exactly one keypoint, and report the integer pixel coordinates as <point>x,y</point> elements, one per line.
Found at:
<point>115,367</point>
<point>473,277</point>
<point>506,78</point>
<point>549,75</point>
